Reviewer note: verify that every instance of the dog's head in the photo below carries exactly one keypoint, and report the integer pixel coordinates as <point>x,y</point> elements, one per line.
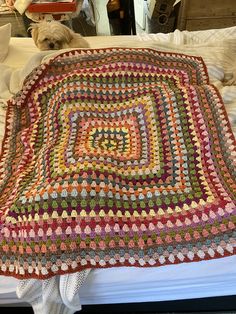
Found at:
<point>50,35</point>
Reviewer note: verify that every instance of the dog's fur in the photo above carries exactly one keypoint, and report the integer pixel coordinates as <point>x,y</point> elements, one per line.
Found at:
<point>53,36</point>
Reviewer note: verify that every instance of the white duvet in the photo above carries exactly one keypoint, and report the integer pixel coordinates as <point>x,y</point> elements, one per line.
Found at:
<point>218,50</point>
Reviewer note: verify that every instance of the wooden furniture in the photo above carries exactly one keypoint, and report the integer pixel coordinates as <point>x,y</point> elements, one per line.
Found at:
<point>17,23</point>
<point>206,14</point>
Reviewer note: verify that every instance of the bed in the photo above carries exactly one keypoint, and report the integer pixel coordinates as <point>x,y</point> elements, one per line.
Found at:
<point>133,285</point>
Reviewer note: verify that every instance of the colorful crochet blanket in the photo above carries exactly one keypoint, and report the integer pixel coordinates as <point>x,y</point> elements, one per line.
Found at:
<point>116,157</point>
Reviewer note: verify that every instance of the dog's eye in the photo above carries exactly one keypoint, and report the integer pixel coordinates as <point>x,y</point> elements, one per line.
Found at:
<point>58,42</point>
<point>45,39</point>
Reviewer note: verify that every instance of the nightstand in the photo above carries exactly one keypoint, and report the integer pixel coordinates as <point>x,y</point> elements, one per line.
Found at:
<point>17,23</point>
<point>206,14</point>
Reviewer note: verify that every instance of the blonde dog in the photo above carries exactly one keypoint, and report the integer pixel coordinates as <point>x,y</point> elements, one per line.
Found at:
<point>54,36</point>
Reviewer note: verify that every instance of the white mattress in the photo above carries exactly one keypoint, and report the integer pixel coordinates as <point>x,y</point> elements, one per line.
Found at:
<point>174,282</point>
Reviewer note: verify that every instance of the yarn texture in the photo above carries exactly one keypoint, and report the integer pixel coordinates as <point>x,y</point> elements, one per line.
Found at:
<point>115,157</point>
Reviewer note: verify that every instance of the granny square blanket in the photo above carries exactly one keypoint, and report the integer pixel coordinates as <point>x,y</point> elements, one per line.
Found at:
<point>116,157</point>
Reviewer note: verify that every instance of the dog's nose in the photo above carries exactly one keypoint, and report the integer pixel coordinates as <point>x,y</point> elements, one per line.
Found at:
<point>51,45</point>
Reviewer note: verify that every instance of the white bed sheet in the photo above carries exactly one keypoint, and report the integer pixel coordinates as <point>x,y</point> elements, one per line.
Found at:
<point>174,282</point>
<point>130,284</point>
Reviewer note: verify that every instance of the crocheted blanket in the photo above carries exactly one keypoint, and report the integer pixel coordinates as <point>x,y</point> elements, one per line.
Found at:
<point>116,157</point>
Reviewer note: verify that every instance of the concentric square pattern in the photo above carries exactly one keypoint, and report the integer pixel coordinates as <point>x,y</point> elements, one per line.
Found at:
<point>115,157</point>
<point>142,139</point>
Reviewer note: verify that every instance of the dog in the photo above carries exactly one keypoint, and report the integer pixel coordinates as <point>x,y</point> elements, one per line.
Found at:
<point>53,35</point>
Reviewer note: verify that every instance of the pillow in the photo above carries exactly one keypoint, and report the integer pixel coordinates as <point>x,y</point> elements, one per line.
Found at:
<point>5,35</point>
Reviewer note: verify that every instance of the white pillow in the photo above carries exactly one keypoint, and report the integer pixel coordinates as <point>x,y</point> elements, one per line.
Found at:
<point>5,35</point>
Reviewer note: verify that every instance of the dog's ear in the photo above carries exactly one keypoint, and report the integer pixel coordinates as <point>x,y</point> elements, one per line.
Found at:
<point>67,33</point>
<point>34,31</point>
